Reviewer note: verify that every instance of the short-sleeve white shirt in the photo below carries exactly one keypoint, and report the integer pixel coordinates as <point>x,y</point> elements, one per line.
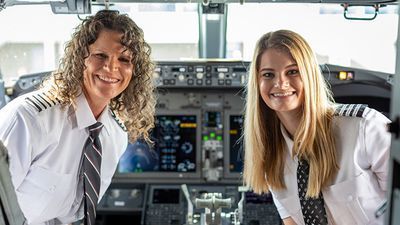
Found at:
<point>45,151</point>
<point>363,146</point>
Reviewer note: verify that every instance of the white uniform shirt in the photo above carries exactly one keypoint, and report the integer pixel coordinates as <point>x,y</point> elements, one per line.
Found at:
<point>45,150</point>
<point>363,146</point>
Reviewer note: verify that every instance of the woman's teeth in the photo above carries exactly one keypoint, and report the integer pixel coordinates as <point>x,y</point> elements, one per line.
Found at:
<point>107,79</point>
<point>283,94</point>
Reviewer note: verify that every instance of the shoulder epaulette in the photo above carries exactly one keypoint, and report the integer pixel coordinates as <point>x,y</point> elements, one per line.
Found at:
<point>354,110</point>
<point>41,101</point>
<point>118,120</point>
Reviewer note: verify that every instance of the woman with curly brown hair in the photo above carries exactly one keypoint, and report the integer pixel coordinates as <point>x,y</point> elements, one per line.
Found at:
<point>65,139</point>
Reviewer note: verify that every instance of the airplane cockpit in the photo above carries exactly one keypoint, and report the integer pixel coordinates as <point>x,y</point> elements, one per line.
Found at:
<point>202,51</point>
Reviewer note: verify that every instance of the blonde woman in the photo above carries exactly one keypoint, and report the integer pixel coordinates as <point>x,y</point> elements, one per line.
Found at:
<point>324,163</point>
<point>65,139</point>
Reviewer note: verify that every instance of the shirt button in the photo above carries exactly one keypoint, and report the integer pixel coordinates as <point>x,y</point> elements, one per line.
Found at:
<point>350,198</point>
<point>52,188</point>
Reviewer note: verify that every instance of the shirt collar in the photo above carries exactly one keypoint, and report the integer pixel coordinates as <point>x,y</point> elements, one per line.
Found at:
<point>289,145</point>
<point>85,118</point>
<point>288,140</point>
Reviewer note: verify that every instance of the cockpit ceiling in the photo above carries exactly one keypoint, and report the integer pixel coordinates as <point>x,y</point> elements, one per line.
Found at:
<point>351,2</point>
<point>379,3</point>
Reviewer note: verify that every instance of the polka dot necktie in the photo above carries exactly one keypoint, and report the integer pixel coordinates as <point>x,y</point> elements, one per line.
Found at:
<point>312,208</point>
<point>91,172</point>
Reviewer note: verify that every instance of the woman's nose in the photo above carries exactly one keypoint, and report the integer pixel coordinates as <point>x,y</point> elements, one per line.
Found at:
<point>281,82</point>
<point>112,64</point>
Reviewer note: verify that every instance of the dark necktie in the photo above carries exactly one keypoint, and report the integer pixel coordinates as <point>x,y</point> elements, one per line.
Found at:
<point>91,172</point>
<point>312,208</point>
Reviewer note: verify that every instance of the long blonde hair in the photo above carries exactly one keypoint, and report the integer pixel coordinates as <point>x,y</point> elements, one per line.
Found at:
<point>136,104</point>
<point>265,151</point>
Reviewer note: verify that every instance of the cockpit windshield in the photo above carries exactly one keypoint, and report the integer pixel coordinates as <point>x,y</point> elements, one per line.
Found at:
<point>34,40</point>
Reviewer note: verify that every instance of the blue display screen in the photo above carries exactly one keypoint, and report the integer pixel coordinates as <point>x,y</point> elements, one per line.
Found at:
<point>174,148</point>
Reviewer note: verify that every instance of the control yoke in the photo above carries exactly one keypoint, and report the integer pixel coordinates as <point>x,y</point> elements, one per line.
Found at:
<point>213,204</point>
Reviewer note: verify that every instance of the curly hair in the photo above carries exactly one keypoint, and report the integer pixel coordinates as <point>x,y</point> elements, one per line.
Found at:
<point>136,104</point>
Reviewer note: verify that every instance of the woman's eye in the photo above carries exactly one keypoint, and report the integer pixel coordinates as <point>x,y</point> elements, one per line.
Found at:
<point>100,55</point>
<point>268,75</point>
<point>293,72</point>
<point>124,60</point>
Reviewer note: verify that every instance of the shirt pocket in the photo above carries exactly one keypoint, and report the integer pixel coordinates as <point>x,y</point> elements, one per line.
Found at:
<point>42,193</point>
<point>344,200</point>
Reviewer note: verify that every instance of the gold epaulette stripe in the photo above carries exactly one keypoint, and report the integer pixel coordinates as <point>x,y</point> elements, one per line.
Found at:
<point>41,101</point>
<point>36,97</point>
<point>46,101</point>
<point>51,99</point>
<point>353,110</point>
<point>31,102</point>
<point>119,122</point>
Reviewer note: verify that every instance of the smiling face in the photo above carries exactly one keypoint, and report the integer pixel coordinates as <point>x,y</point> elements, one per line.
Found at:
<point>280,83</point>
<point>108,70</point>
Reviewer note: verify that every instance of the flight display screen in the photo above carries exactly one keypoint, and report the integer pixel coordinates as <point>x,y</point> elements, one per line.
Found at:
<point>174,148</point>
<point>235,143</point>
<point>166,196</point>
